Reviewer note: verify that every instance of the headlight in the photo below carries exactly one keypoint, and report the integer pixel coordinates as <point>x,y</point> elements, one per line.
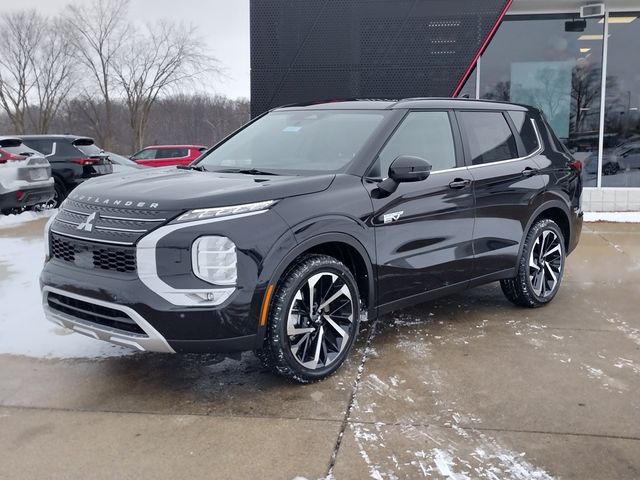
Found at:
<point>214,260</point>
<point>47,229</point>
<point>206,213</point>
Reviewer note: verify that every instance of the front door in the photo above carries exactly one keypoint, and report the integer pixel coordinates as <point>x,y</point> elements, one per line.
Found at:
<point>424,229</point>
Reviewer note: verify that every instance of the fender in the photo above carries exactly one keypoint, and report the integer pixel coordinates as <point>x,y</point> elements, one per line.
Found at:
<point>295,252</point>
<point>329,237</point>
<point>547,203</point>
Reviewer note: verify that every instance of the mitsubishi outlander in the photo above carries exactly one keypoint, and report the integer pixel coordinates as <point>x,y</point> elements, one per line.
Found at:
<point>311,219</point>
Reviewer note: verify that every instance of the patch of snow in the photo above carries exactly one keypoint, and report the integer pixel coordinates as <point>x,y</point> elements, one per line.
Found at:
<point>631,333</point>
<point>444,463</point>
<point>618,217</point>
<point>24,217</point>
<point>23,327</point>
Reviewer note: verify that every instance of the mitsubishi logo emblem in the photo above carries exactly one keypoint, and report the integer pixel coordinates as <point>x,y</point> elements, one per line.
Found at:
<point>87,225</point>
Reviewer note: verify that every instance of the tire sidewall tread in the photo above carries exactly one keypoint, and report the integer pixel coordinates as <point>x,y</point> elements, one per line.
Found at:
<point>275,353</point>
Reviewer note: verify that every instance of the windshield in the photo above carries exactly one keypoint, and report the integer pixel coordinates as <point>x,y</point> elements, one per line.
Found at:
<point>299,141</point>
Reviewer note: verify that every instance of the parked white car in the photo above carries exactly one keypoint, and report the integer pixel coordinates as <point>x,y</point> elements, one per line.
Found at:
<point>25,176</point>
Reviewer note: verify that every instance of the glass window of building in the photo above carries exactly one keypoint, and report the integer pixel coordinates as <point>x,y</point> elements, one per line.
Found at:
<point>540,61</point>
<point>621,145</point>
<point>468,90</point>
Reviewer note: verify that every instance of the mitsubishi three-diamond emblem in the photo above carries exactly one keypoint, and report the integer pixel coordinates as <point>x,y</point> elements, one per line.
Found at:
<point>87,225</point>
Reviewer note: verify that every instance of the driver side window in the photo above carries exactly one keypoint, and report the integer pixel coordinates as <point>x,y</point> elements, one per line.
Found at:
<point>422,134</point>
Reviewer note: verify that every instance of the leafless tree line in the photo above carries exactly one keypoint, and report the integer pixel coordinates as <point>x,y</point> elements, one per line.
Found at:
<point>89,70</point>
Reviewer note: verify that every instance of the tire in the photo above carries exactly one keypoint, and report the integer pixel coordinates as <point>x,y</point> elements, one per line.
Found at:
<point>307,347</point>
<point>59,195</point>
<point>540,267</point>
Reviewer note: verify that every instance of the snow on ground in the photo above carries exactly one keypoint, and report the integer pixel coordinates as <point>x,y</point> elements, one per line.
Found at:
<point>14,220</point>
<point>23,328</point>
<point>625,217</point>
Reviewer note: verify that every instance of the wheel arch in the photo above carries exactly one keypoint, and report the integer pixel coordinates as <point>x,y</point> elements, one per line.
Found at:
<point>345,248</point>
<point>555,210</point>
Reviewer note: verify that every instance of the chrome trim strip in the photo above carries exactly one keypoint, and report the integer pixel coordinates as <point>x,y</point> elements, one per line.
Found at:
<point>109,229</point>
<point>134,219</point>
<point>94,240</point>
<point>109,217</point>
<point>113,229</point>
<point>148,270</point>
<point>75,224</point>
<point>152,342</point>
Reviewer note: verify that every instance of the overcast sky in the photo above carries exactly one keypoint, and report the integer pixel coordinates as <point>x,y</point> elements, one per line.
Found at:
<point>223,24</point>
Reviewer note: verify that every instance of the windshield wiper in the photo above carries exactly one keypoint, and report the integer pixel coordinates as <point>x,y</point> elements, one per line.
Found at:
<point>246,171</point>
<point>199,168</point>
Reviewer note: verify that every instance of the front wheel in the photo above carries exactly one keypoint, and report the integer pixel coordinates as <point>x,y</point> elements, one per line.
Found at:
<point>313,320</point>
<point>540,268</point>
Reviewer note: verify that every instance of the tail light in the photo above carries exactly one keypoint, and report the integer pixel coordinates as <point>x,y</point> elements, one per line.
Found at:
<point>9,157</point>
<point>576,165</point>
<point>85,161</point>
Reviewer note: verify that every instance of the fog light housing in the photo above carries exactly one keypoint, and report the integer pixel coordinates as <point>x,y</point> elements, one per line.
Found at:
<point>214,260</point>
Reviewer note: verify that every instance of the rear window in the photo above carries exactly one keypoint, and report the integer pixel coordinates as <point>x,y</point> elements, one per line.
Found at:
<point>525,128</point>
<point>87,147</point>
<point>41,145</point>
<point>16,147</point>
<point>489,137</point>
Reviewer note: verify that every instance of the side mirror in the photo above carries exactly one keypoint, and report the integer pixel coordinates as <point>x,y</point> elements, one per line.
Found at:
<point>405,168</point>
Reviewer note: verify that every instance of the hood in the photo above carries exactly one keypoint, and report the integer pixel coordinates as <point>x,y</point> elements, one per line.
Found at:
<point>175,189</point>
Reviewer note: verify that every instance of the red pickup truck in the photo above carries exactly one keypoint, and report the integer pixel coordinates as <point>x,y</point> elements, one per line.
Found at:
<point>168,155</point>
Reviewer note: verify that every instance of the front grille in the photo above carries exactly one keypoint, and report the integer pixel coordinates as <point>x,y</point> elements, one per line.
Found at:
<point>62,250</point>
<point>89,255</point>
<point>97,314</point>
<point>115,226</point>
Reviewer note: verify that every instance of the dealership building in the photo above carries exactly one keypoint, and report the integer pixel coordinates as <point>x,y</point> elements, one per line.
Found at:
<point>584,72</point>
<point>577,61</point>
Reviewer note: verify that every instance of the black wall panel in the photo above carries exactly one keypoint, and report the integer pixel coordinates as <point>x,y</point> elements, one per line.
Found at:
<point>307,50</point>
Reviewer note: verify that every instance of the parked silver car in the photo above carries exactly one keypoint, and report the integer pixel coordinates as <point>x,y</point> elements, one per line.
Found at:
<point>123,164</point>
<point>25,176</point>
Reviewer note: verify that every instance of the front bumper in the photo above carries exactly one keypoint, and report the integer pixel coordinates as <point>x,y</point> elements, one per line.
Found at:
<point>147,340</point>
<point>152,282</point>
<point>162,327</point>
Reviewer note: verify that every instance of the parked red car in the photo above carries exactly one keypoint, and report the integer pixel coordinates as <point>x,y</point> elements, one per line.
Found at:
<point>168,155</point>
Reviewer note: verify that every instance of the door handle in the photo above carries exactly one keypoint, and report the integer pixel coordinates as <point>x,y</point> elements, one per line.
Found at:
<point>460,183</point>
<point>529,172</point>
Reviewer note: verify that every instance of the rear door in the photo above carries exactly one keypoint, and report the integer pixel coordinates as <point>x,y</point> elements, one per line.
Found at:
<point>505,183</point>
<point>424,229</point>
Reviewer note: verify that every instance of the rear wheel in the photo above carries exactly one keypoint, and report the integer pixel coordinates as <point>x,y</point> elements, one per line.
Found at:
<point>313,320</point>
<point>60,193</point>
<point>540,268</point>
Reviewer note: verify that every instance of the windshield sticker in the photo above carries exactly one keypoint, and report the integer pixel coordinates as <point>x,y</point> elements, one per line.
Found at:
<point>292,129</point>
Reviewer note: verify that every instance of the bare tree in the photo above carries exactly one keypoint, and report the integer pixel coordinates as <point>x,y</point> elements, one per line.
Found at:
<point>98,30</point>
<point>164,58</point>
<point>20,36</point>
<point>53,71</point>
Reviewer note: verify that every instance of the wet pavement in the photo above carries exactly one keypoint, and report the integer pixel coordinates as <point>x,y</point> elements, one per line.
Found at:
<point>465,387</point>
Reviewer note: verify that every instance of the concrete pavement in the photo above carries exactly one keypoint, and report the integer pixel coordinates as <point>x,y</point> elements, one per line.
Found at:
<point>465,387</point>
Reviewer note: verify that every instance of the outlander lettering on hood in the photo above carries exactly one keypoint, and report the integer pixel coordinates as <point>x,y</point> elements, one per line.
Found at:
<point>286,235</point>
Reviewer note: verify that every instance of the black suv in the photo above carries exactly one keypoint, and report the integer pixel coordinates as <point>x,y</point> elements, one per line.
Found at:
<point>73,160</point>
<point>310,219</point>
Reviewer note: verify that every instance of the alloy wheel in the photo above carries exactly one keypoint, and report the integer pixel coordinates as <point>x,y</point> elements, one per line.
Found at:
<point>320,321</point>
<point>545,263</point>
